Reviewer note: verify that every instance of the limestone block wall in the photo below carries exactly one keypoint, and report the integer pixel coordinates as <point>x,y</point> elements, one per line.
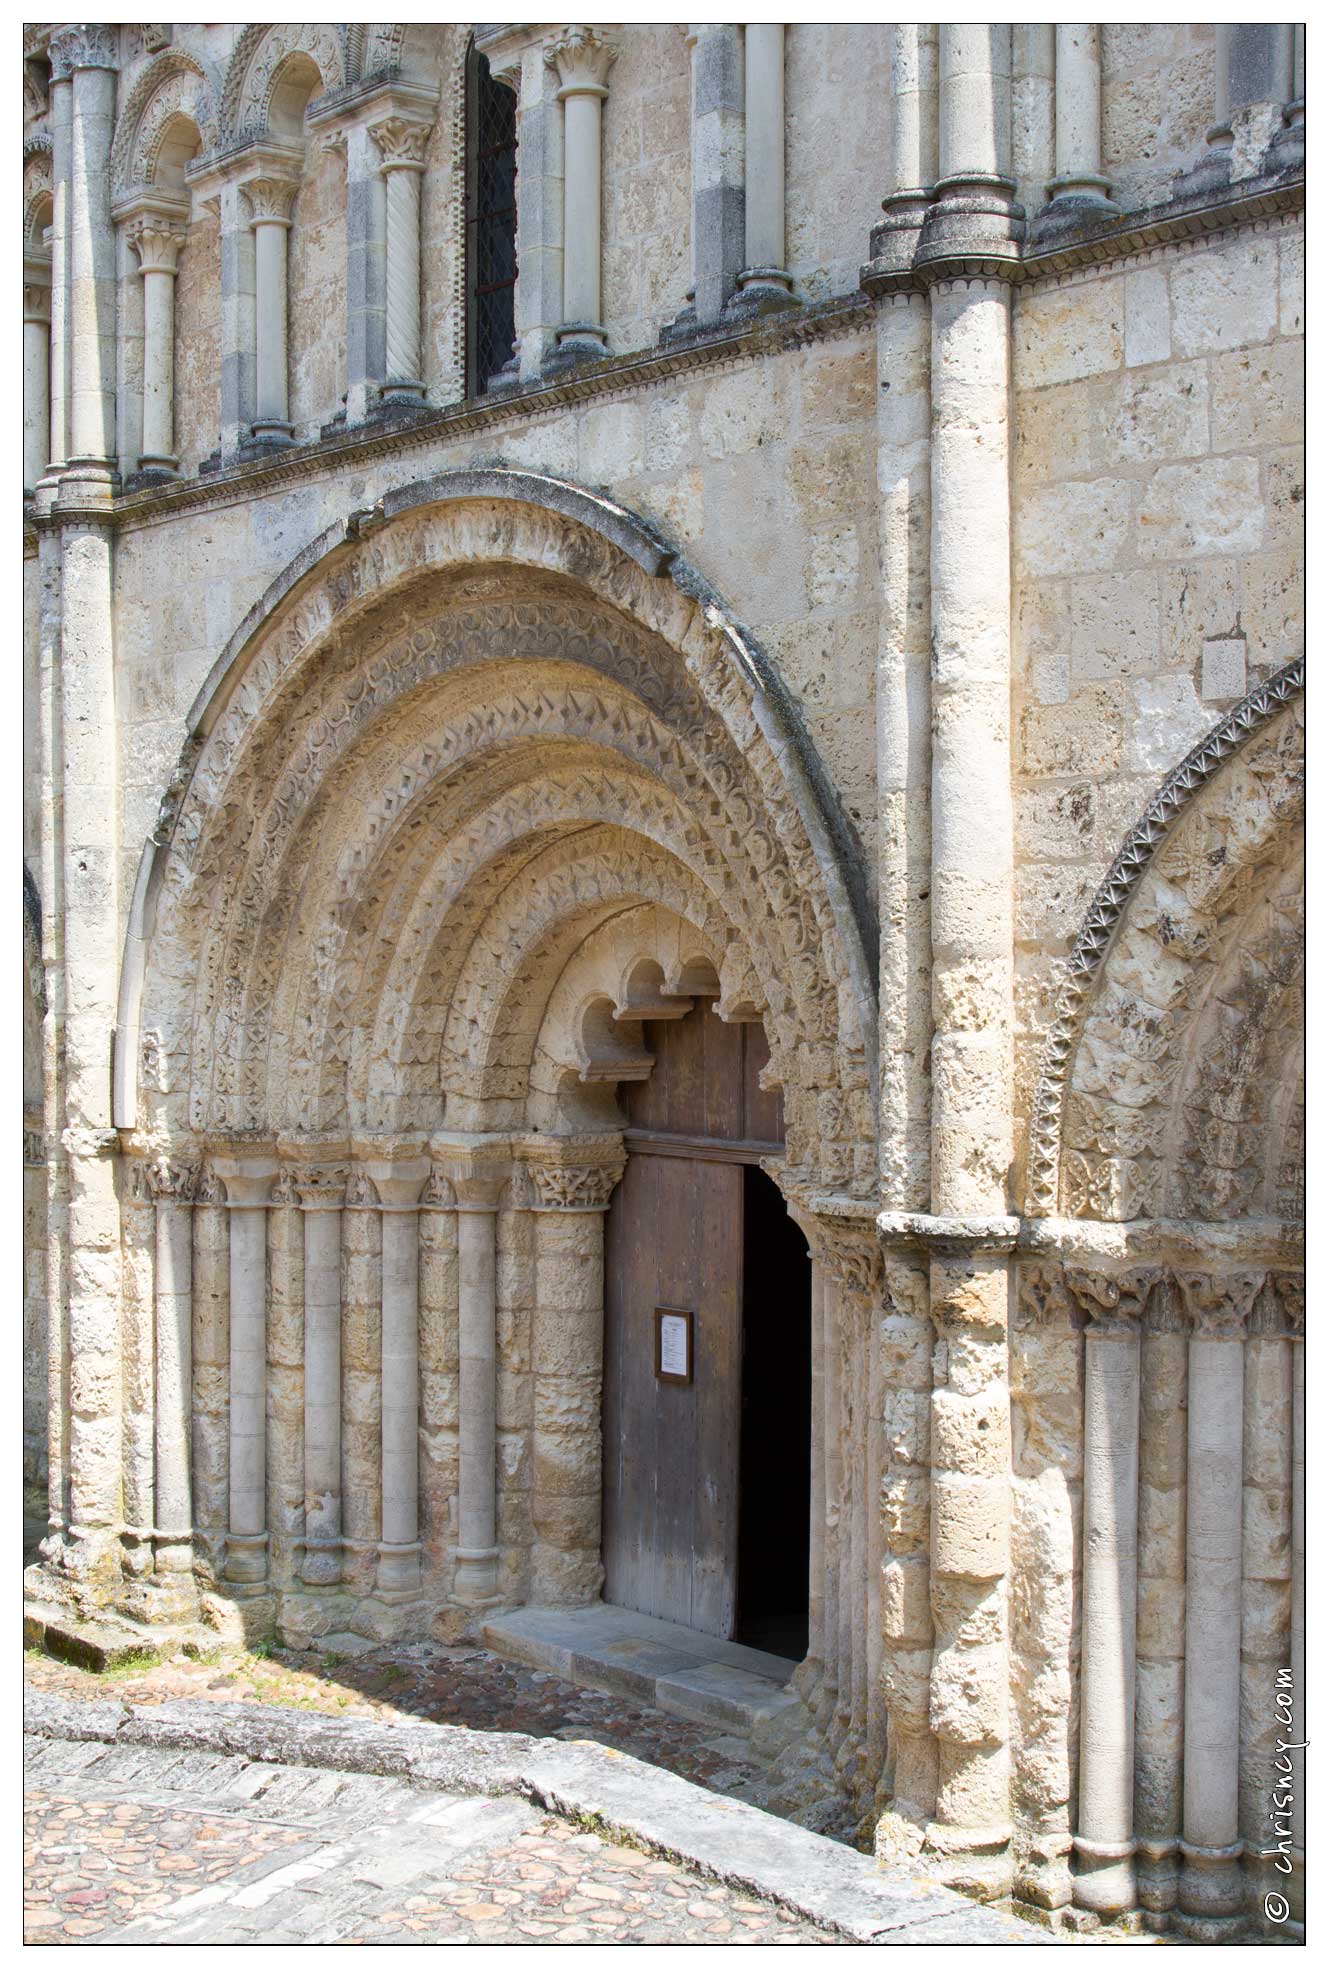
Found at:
<point>838,113</point>
<point>1157,500</point>
<point>198,310</point>
<point>316,273</point>
<point>646,189</point>
<point>1158,104</point>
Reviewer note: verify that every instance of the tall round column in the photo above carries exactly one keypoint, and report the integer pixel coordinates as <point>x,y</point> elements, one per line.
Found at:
<point>59,121</point>
<point>1104,1841</point>
<point>321,1192</point>
<point>1079,188</point>
<point>402,145</point>
<point>1212,1892</point>
<point>270,201</point>
<point>91,319</point>
<point>581,58</point>
<point>764,172</point>
<point>36,370</point>
<point>158,247</point>
<point>399,1183</point>
<point>173,1186</point>
<point>1160,1635</point>
<point>248,1183</point>
<point>476,1578</point>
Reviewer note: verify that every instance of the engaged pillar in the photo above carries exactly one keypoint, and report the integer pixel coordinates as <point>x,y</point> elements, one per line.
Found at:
<point>401,141</point>
<point>322,1191</point>
<point>1079,191</point>
<point>270,201</point>
<point>173,1189</point>
<point>36,368</point>
<point>1105,1842</point>
<point>248,1182</point>
<point>1212,1890</point>
<point>764,277</point>
<point>581,58</point>
<point>476,1578</point>
<point>399,1181</point>
<point>157,241</point>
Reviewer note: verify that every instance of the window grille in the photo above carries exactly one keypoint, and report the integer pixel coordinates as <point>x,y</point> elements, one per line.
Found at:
<point>491,228</point>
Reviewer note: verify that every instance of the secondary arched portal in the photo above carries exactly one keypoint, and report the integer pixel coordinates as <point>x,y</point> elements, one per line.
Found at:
<point>707,1376</point>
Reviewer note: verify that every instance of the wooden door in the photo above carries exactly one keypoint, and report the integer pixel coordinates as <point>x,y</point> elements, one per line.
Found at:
<point>674,1239</point>
<point>671,1451</point>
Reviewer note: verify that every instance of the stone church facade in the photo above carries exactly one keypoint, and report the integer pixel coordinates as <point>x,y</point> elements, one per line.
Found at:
<point>547,547</point>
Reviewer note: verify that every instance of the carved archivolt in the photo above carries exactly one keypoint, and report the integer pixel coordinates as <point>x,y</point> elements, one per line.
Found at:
<point>1180,917</point>
<point>36,197</point>
<point>174,85</point>
<point>255,70</point>
<point>465,742</point>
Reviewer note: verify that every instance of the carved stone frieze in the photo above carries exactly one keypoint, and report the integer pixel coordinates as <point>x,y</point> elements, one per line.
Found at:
<point>173,1181</point>
<point>86,46</point>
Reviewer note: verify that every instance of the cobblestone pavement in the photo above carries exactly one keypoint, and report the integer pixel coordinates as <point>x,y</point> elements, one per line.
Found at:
<point>126,1844</point>
<point>441,1684</point>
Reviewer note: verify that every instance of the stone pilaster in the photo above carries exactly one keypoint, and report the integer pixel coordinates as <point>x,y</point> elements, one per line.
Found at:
<point>718,219</point>
<point>913,158</point>
<point>1079,193</point>
<point>361,1383</point>
<point>59,121</point>
<point>1160,1632</point>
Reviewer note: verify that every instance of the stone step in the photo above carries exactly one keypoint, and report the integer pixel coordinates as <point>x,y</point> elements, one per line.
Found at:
<point>649,1661</point>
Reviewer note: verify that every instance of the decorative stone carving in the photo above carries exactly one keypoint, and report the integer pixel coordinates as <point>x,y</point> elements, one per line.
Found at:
<point>88,46</point>
<point>260,55</point>
<point>438,1193</point>
<point>1244,722</point>
<point>581,58</point>
<point>360,1192</point>
<point>1218,1304</point>
<point>34,1149</point>
<point>569,1186</point>
<point>270,200</point>
<point>173,86</point>
<point>1112,1300</point>
<point>174,1182</point>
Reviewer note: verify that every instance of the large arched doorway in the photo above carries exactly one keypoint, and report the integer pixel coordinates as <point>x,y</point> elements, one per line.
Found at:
<point>708,1378</point>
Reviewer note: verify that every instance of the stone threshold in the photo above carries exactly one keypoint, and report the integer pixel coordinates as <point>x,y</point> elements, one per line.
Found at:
<point>720,1838</point>
<point>651,1661</point>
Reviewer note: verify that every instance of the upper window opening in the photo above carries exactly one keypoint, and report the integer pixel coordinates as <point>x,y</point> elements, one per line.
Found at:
<point>491,229</point>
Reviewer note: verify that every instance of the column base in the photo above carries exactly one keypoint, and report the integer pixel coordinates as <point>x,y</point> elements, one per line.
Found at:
<point>268,432</point>
<point>398,1573</point>
<point>975,221</point>
<point>1074,202</point>
<point>761,290</point>
<point>475,1580</point>
<point>1287,151</point>
<point>1105,1877</point>
<point>152,471</point>
<point>975,1860</point>
<point>582,340</point>
<point>321,1564</point>
<point>894,238</point>
<point>1156,1875</point>
<point>402,390</point>
<point>1211,1895</point>
<point>1213,173</point>
<point>247,1560</point>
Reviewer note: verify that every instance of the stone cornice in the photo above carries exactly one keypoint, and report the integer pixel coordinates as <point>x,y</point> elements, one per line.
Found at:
<point>946,1237</point>
<point>1179,1241</point>
<point>791,328</point>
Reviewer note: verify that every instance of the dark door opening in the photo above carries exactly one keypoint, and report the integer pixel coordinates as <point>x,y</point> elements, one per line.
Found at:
<point>775,1445</point>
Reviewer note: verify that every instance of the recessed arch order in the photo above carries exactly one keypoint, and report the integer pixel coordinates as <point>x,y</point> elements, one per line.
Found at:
<point>457,736</point>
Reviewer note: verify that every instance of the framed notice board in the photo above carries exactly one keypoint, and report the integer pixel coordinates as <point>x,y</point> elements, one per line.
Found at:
<point>673,1345</point>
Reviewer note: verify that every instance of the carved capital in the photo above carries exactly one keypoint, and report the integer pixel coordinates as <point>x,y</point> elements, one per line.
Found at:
<point>401,141</point>
<point>360,1192</point>
<point>320,1186</point>
<point>1043,1300</point>
<point>36,288</point>
<point>1218,1305</point>
<point>157,242</point>
<point>211,1189</point>
<point>248,1180</point>
<point>853,1259</point>
<point>1287,1292</point>
<point>574,1186</point>
<point>34,1148</point>
<point>1112,1302</point>
<point>172,1181</point>
<point>83,47</point>
<point>438,1193</point>
<point>581,59</point>
<point>270,200</point>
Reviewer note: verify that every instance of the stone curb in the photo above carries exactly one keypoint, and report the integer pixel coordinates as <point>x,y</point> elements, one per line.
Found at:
<point>721,1838</point>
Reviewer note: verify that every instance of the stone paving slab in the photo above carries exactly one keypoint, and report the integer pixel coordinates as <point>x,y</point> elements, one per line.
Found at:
<point>449,1809</point>
<point>654,1661</point>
